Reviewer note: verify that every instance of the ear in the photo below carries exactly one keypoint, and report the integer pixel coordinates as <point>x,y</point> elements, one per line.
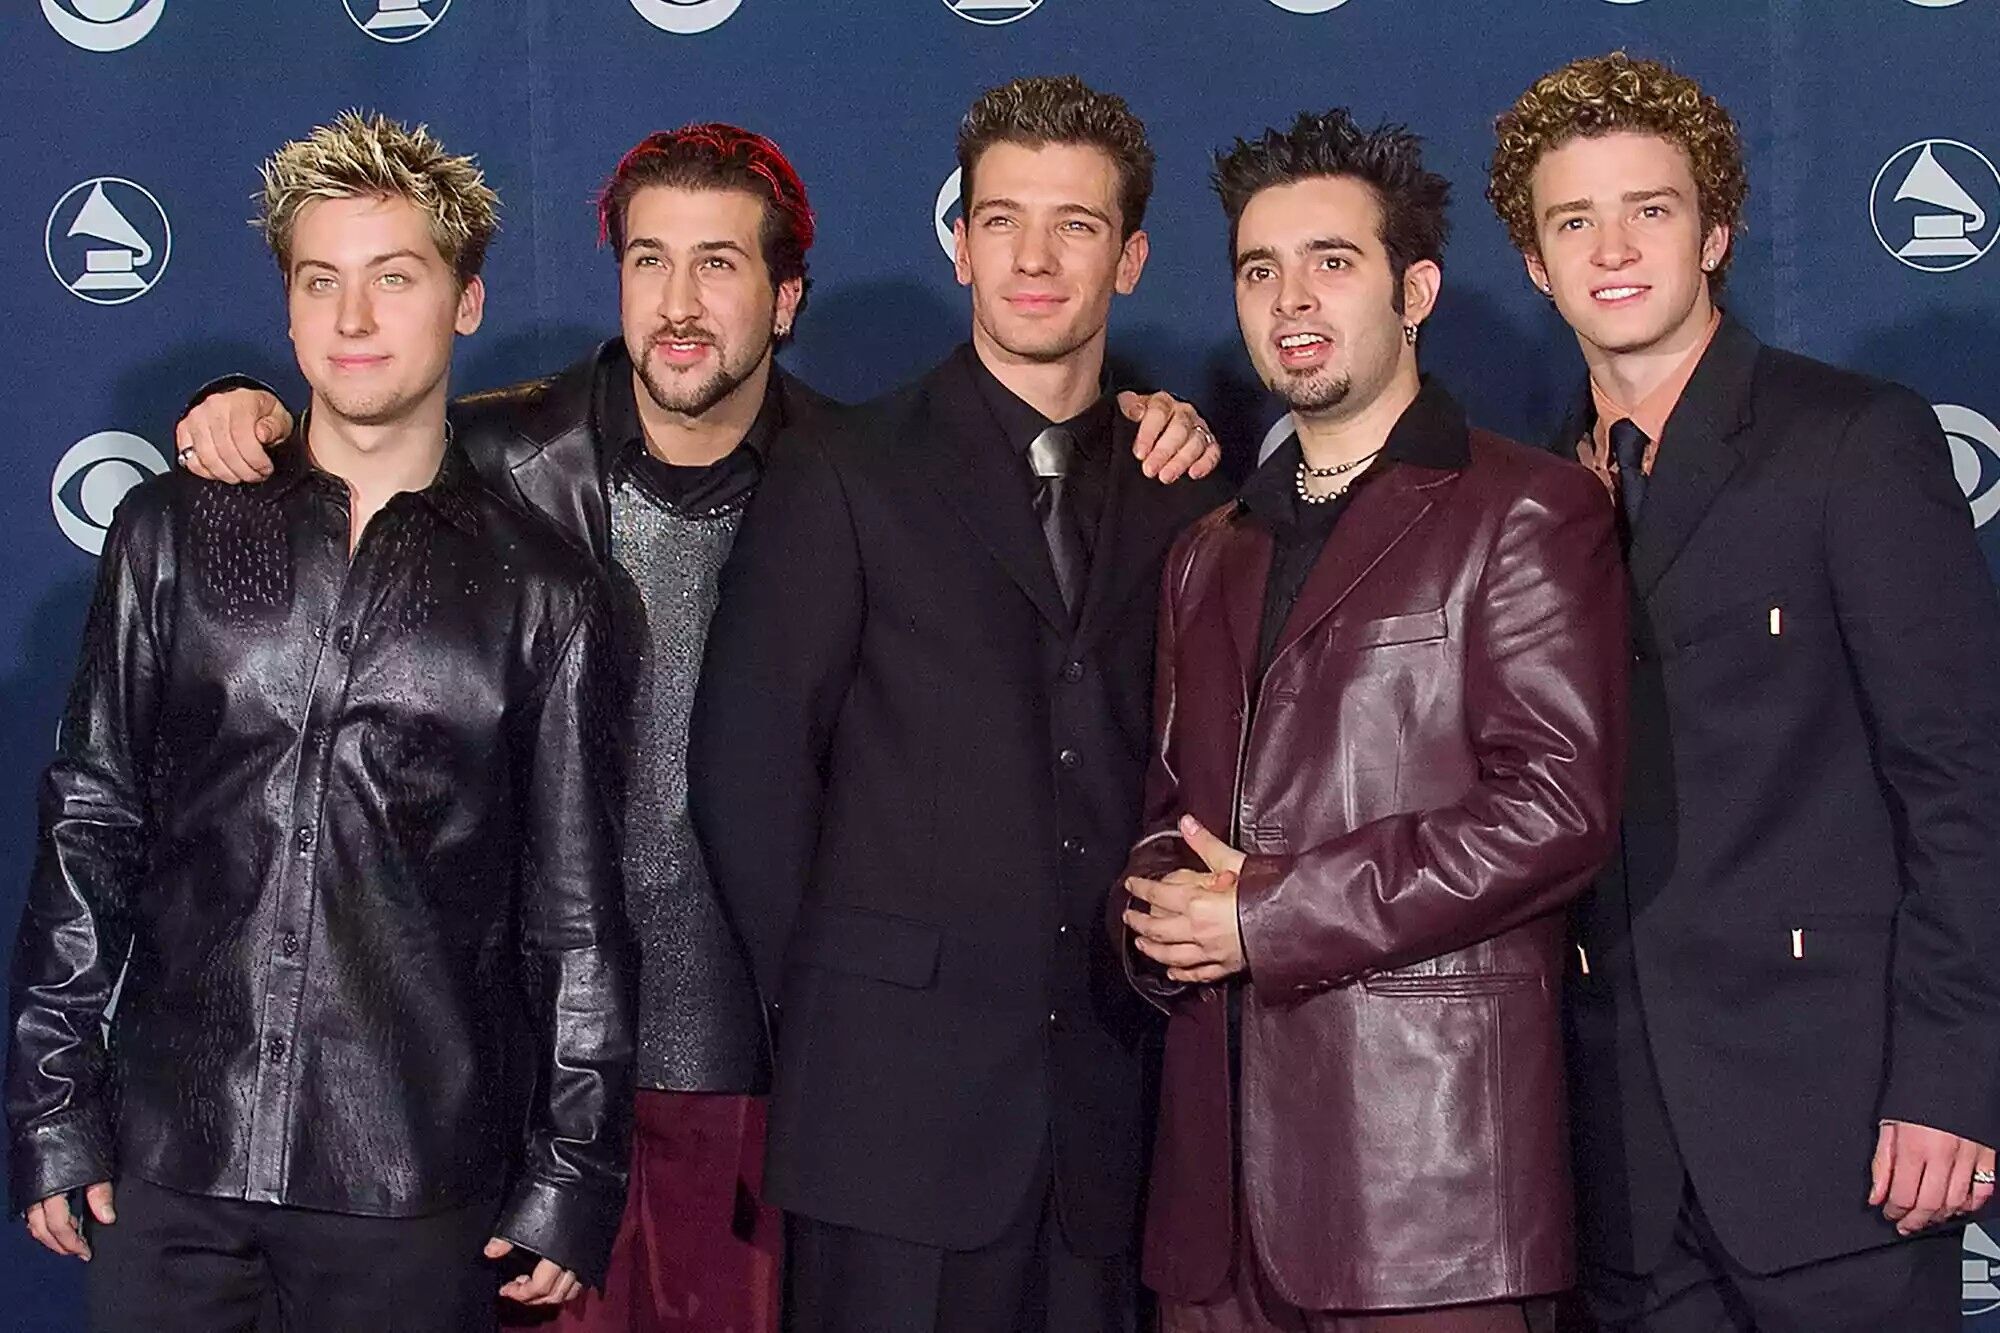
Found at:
<point>1422,281</point>
<point>1132,261</point>
<point>961,256</point>
<point>1714,246</point>
<point>790,292</point>
<point>1537,272</point>
<point>471,307</point>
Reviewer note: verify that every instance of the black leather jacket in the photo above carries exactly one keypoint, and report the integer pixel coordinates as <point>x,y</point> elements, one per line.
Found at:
<point>349,829</point>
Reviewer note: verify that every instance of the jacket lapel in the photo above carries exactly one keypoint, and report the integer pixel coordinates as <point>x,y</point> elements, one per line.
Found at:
<point>1245,567</point>
<point>560,471</point>
<point>988,491</point>
<point>1380,515</point>
<point>1697,453</point>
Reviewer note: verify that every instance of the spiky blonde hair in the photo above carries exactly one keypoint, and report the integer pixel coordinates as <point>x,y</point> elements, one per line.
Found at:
<point>370,156</point>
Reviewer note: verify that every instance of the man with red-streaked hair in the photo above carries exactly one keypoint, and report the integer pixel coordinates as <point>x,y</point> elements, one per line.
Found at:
<point>645,453</point>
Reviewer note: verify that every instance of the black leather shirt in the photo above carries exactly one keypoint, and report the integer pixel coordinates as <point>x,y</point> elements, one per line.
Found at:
<point>353,825</point>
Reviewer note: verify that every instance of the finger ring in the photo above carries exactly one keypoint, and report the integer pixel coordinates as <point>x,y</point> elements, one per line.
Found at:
<point>1982,1177</point>
<point>1203,432</point>
<point>185,454</point>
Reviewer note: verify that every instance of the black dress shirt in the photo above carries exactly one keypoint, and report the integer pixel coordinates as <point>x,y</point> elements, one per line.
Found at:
<point>685,488</point>
<point>1019,424</point>
<point>348,828</point>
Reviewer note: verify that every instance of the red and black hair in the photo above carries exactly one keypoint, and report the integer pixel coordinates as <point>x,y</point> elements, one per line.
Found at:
<point>715,156</point>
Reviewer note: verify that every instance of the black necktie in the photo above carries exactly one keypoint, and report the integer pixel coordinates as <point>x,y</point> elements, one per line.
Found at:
<point>1049,458</point>
<point>1628,446</point>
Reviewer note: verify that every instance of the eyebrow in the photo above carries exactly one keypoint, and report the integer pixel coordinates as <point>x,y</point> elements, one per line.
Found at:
<point>1630,197</point>
<point>985,205</point>
<point>1318,245</point>
<point>700,247</point>
<point>375,262</point>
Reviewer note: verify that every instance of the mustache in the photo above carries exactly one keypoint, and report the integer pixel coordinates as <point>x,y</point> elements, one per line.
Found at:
<point>688,333</point>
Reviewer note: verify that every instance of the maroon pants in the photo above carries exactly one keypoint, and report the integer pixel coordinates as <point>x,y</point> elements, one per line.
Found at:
<point>697,1248</point>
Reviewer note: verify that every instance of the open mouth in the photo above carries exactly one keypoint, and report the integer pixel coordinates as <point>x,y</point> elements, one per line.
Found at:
<point>1303,349</point>
<point>1614,295</point>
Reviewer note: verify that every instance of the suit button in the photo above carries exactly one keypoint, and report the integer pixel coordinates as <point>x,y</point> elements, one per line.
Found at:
<point>1070,759</point>
<point>344,639</point>
<point>1074,846</point>
<point>1055,1021</point>
<point>291,944</point>
<point>1072,672</point>
<point>277,1049</point>
<point>306,839</point>
<point>1063,929</point>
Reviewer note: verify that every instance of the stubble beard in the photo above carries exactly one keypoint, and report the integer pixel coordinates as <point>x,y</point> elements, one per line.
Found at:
<point>693,400</point>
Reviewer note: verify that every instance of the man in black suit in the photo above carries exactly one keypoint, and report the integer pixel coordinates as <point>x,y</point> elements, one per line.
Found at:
<point>1789,982</point>
<point>915,763</point>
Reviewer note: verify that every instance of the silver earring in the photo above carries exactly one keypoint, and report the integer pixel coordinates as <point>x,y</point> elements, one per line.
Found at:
<point>1410,334</point>
<point>1708,266</point>
<point>1544,289</point>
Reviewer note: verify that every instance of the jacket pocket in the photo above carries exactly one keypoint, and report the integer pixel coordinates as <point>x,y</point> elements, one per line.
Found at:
<point>861,943</point>
<point>1416,627</point>
<point>1449,985</point>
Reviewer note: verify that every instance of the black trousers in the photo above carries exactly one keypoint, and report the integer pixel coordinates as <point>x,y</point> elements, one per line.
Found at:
<point>183,1263</point>
<point>1908,1287</point>
<point>1027,1281</point>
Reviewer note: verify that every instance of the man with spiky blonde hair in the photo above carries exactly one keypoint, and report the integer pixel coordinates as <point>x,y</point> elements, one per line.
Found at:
<point>332,793</point>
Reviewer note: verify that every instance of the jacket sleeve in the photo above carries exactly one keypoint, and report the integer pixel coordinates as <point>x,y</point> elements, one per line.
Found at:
<point>1545,672</point>
<point>1916,610</point>
<point>96,829</point>
<point>781,654</point>
<point>1159,850</point>
<point>566,1203</point>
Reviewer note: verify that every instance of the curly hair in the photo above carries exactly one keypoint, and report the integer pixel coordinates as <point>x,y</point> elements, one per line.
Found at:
<point>371,156</point>
<point>1606,95</point>
<point>1388,159</point>
<point>1061,110</point>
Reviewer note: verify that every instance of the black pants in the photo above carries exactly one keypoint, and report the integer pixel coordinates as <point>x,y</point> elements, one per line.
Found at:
<point>1028,1281</point>
<point>1908,1287</point>
<point>182,1263</point>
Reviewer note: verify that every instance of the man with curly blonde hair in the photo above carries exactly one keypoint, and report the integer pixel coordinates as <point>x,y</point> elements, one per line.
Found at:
<point>1783,1009</point>
<point>331,819</point>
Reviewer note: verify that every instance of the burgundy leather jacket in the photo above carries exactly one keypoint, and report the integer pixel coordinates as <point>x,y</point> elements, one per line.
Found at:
<point>1429,773</point>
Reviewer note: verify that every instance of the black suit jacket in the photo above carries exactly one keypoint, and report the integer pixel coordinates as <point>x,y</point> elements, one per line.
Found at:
<point>915,785</point>
<point>1802,935</point>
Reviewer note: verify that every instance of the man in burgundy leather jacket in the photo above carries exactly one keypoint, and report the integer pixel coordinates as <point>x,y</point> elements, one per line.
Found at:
<point>1390,689</point>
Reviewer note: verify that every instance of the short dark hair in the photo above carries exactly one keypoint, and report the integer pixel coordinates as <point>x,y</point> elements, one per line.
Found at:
<point>1061,110</point>
<point>1388,159</point>
<point>714,156</point>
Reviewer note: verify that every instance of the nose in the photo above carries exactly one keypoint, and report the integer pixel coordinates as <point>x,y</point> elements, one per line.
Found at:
<point>357,311</point>
<point>1036,253</point>
<point>680,297</point>
<point>1614,248</point>
<point>1294,296</point>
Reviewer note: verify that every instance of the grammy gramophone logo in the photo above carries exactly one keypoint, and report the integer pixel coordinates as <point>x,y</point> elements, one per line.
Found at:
<point>1935,204</point>
<point>108,240</point>
<point>396,20</point>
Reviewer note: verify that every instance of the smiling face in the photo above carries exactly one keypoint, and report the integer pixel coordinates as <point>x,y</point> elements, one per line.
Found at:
<point>1040,247</point>
<point>1620,244</point>
<point>374,308</point>
<point>698,309</point>
<point>1316,299</point>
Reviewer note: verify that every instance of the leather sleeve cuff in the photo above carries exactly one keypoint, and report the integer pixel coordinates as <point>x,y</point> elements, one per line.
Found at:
<point>574,1227</point>
<point>60,1154</point>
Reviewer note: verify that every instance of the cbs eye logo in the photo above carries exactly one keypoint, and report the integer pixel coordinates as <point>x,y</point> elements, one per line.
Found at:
<point>1975,458</point>
<point>93,477</point>
<point>102,25</point>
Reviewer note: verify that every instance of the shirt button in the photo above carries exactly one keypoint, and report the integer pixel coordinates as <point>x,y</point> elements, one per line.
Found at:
<point>306,838</point>
<point>1055,1020</point>
<point>1063,929</point>
<point>344,639</point>
<point>291,944</point>
<point>1074,846</point>
<point>1073,672</point>
<point>1070,759</point>
<point>277,1049</point>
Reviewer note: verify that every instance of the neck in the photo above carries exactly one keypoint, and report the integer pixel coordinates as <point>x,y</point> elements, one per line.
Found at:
<point>1057,389</point>
<point>1629,376</point>
<point>378,460</point>
<point>700,438</point>
<point>1347,432</point>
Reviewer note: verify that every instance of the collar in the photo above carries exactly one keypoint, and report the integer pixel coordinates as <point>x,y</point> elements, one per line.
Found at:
<point>1431,433</point>
<point>1650,413</point>
<point>448,492</point>
<point>1020,423</point>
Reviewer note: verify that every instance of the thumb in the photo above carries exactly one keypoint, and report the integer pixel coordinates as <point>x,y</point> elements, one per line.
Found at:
<point>1203,843</point>
<point>498,1249</point>
<point>98,1196</point>
<point>1879,1170</point>
<point>1131,404</point>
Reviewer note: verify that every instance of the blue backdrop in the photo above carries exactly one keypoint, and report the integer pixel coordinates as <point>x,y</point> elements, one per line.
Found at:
<point>1873,128</point>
